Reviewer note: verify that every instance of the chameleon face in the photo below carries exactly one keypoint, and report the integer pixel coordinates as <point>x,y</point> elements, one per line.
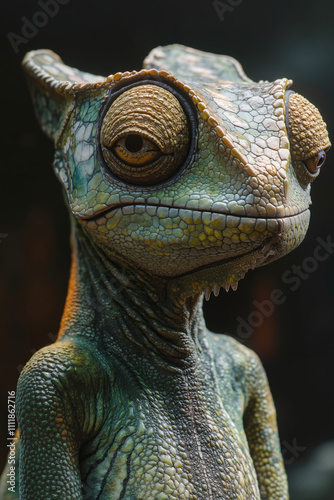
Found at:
<point>196,176</point>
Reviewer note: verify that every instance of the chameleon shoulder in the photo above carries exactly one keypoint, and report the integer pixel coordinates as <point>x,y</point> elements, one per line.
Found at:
<point>241,362</point>
<point>65,361</point>
<point>222,344</point>
<point>68,375</point>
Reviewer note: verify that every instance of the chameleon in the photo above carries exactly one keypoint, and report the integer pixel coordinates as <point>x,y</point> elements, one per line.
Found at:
<point>179,178</point>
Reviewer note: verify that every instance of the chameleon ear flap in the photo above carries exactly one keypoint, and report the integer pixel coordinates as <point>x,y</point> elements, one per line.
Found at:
<point>53,86</point>
<point>191,64</point>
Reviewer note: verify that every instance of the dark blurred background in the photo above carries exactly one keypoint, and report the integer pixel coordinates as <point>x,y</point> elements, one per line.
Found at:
<point>271,40</point>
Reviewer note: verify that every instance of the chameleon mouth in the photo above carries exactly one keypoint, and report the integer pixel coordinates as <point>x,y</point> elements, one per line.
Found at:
<point>227,273</point>
<point>108,211</point>
<point>207,272</point>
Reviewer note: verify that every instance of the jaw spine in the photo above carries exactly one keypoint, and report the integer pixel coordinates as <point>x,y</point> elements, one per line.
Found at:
<point>216,289</point>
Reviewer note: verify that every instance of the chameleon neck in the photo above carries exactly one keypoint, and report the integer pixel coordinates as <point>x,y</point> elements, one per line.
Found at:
<point>128,310</point>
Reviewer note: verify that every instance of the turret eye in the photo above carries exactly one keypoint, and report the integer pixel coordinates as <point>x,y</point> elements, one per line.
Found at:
<point>316,162</point>
<point>308,138</point>
<point>145,135</point>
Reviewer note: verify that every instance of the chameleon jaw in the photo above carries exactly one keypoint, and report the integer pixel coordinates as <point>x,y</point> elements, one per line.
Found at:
<point>226,273</point>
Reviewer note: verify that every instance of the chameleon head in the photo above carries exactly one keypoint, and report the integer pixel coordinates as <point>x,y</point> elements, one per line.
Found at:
<point>196,175</point>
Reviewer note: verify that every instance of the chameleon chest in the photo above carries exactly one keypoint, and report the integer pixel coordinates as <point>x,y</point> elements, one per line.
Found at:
<point>162,449</point>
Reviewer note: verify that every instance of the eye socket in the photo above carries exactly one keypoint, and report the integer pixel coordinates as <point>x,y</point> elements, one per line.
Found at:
<point>314,164</point>
<point>145,135</point>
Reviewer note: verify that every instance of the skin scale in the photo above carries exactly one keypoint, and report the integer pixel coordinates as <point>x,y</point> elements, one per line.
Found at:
<point>179,178</point>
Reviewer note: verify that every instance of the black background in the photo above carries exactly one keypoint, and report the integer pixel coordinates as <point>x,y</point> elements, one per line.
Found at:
<point>271,40</point>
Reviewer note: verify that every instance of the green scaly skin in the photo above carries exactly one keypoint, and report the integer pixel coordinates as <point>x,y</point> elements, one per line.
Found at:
<point>137,399</point>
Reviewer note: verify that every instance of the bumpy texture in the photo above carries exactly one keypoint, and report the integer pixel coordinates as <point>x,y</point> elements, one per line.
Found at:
<point>179,178</point>
<point>157,150</point>
<point>308,132</point>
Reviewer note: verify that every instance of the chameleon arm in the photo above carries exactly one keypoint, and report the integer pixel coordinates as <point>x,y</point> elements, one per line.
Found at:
<point>53,415</point>
<point>262,435</point>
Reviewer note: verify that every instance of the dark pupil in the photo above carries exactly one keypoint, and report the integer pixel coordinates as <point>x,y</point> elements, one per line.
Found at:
<point>321,160</point>
<point>133,143</point>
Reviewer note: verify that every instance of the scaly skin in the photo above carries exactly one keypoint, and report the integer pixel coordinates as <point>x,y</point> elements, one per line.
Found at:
<point>175,188</point>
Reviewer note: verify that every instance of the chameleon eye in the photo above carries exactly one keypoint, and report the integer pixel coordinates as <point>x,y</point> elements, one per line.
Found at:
<point>316,162</point>
<point>145,136</point>
<point>308,138</point>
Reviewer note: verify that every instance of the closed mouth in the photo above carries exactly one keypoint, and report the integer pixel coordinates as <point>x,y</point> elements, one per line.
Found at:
<point>104,212</point>
<point>228,271</point>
